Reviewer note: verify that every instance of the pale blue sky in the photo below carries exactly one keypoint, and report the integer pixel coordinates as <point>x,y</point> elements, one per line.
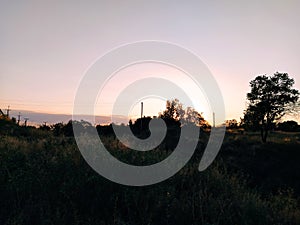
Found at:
<point>46,46</point>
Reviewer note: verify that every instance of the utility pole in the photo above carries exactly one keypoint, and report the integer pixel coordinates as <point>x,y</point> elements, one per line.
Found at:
<point>214,120</point>
<point>7,111</point>
<point>19,117</point>
<point>142,106</point>
<point>26,119</point>
<point>141,109</point>
<point>45,123</point>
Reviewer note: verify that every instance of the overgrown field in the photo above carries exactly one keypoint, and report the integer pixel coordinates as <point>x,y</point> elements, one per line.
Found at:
<point>45,180</point>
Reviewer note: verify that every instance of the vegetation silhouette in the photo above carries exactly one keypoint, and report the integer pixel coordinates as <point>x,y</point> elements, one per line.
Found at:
<point>289,126</point>
<point>45,180</point>
<point>268,101</point>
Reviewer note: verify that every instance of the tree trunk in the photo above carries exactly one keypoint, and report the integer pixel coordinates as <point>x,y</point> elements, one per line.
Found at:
<point>264,132</point>
<point>265,136</point>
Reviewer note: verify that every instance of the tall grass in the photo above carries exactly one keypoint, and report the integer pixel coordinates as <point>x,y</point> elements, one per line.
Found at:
<point>44,180</point>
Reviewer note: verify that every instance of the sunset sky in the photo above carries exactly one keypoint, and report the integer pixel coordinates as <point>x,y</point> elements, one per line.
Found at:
<point>47,46</point>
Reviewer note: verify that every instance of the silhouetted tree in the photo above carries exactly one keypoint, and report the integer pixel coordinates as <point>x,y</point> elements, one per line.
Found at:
<point>290,126</point>
<point>68,129</point>
<point>250,121</point>
<point>232,124</point>
<point>80,126</point>
<point>270,98</point>
<point>13,119</point>
<point>44,127</point>
<point>130,123</point>
<point>192,116</point>
<point>175,112</point>
<point>141,127</point>
<point>57,129</point>
<point>105,130</point>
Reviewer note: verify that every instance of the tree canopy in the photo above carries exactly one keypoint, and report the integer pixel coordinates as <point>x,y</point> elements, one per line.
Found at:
<point>176,112</point>
<point>269,100</point>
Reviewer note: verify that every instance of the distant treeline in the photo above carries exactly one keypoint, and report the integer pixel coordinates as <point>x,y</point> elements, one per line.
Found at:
<point>139,127</point>
<point>288,126</point>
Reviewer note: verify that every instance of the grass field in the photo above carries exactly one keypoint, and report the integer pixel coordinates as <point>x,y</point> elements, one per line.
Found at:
<point>45,180</point>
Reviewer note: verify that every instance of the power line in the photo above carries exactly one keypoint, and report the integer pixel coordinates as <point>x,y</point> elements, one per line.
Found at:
<point>142,106</point>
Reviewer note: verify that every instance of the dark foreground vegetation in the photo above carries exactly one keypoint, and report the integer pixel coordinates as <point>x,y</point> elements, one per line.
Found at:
<point>45,180</point>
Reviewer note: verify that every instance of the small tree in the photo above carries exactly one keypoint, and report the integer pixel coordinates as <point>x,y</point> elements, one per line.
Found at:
<point>176,112</point>
<point>232,124</point>
<point>270,98</point>
<point>290,126</point>
<point>194,117</point>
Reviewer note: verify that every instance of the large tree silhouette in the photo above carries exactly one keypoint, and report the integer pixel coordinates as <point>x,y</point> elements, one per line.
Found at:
<point>270,98</point>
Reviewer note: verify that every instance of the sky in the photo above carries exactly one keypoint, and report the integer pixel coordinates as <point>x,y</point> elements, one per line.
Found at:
<point>46,47</point>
